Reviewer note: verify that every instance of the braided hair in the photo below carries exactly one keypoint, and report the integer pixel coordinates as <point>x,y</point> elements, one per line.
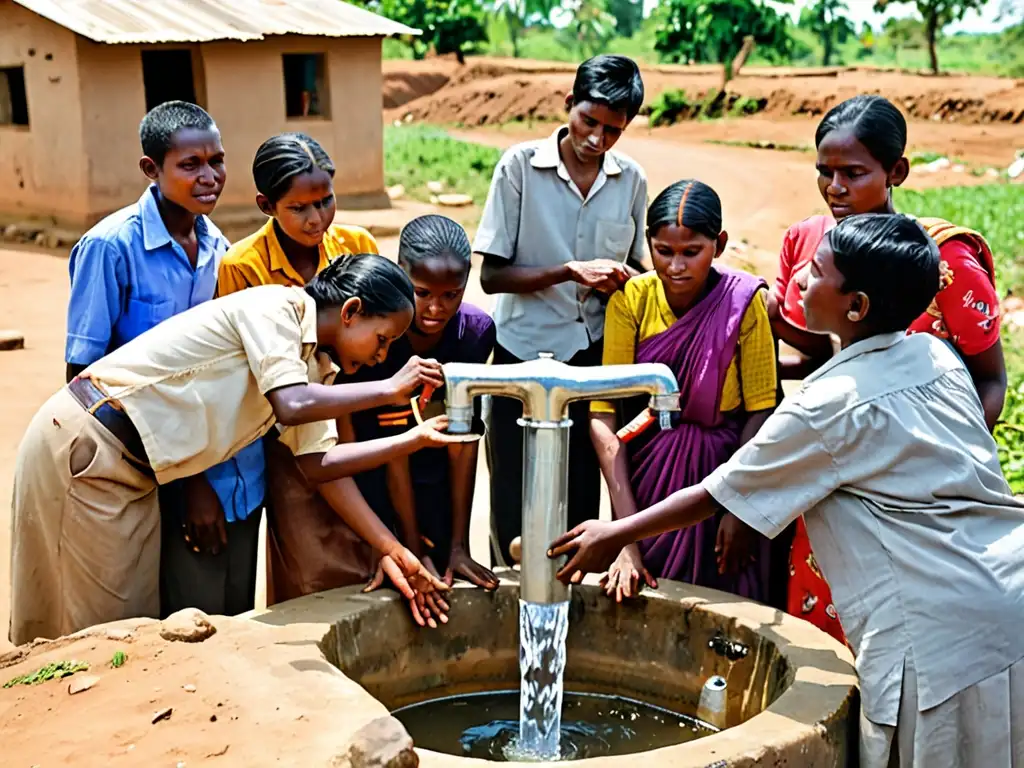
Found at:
<point>379,283</point>
<point>433,237</point>
<point>283,157</point>
<point>688,203</point>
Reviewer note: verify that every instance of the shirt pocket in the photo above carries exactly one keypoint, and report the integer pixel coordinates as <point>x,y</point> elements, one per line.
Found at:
<point>613,239</point>
<point>143,314</point>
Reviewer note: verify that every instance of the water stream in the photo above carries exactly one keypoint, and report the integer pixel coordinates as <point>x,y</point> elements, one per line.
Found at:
<point>542,631</point>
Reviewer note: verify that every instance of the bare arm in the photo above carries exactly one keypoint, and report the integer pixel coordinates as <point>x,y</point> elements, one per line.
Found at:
<point>399,482</point>
<point>988,371</point>
<point>347,459</point>
<point>500,276</point>
<point>304,403</point>
<point>611,456</point>
<point>345,499</point>
<point>462,460</point>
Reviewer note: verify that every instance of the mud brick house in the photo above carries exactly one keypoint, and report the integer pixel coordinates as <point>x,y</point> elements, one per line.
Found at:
<point>76,77</point>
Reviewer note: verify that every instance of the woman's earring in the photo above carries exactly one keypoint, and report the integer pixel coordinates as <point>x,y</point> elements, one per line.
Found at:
<point>852,316</point>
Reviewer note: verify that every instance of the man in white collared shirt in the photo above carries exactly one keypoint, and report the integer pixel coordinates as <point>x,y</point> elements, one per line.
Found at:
<point>563,227</point>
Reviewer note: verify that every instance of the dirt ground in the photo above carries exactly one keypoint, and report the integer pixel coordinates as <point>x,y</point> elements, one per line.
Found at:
<point>494,91</point>
<point>763,192</point>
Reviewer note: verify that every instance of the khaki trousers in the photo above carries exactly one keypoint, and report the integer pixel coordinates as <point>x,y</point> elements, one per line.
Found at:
<point>85,528</point>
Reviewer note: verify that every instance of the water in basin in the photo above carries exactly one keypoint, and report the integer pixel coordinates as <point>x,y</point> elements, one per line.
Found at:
<point>486,726</point>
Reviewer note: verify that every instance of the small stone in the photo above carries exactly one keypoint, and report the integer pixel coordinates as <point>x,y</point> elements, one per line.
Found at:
<point>119,634</point>
<point>11,232</point>
<point>11,340</point>
<point>187,626</point>
<point>435,187</point>
<point>80,684</point>
<point>189,688</point>
<point>181,764</point>
<point>434,200</point>
<point>381,743</point>
<point>396,192</point>
<point>162,714</point>
<point>40,240</point>
<point>454,200</point>
<point>213,718</point>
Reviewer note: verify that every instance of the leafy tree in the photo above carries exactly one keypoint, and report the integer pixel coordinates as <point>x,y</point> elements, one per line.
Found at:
<point>592,26</point>
<point>903,33</point>
<point>715,31</point>
<point>826,19</point>
<point>448,26</point>
<point>629,15</point>
<point>520,14</point>
<point>937,15</point>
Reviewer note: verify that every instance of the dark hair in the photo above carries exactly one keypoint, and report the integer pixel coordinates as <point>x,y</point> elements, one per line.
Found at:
<point>874,121</point>
<point>433,237</point>
<point>611,80</point>
<point>281,158</point>
<point>157,129</point>
<point>381,284</point>
<point>688,203</point>
<point>890,258</point>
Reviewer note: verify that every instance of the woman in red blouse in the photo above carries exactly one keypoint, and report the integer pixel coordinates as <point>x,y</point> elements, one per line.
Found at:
<point>861,144</point>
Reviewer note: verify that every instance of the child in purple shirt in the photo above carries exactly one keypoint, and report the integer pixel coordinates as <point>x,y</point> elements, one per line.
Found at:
<point>431,491</point>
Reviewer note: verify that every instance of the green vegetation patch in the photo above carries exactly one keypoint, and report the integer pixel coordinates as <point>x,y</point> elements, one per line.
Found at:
<point>55,670</point>
<point>417,154</point>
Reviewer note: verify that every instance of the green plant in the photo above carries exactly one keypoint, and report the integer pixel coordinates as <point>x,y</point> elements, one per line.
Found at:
<point>55,670</point>
<point>713,31</point>
<point>591,28</point>
<point>669,107</point>
<point>448,26</point>
<point>826,20</point>
<point>937,15</point>
<point>417,154</point>
<point>120,657</point>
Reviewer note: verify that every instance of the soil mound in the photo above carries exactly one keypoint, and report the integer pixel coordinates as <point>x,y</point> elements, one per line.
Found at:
<point>491,91</point>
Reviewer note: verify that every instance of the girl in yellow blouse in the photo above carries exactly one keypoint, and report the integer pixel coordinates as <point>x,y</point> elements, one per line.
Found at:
<point>710,325</point>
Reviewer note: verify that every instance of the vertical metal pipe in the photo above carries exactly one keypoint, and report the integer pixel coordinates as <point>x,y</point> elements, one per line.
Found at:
<point>545,507</point>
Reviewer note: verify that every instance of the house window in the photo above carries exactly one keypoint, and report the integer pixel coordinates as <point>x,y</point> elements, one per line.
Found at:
<point>13,99</point>
<point>305,85</point>
<point>167,76</point>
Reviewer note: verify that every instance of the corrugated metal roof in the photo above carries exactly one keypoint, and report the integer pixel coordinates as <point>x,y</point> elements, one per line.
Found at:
<point>200,21</point>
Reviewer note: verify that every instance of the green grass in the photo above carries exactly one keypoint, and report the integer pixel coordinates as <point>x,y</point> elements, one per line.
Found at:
<point>993,210</point>
<point>417,154</point>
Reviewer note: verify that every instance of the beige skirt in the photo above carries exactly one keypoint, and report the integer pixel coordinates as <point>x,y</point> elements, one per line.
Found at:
<point>85,525</point>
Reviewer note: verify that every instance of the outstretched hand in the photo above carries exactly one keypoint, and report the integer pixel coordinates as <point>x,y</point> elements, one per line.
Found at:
<point>416,583</point>
<point>628,575</point>
<point>461,564</point>
<point>593,545</point>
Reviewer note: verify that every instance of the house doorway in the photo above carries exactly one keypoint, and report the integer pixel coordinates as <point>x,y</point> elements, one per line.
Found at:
<point>168,75</point>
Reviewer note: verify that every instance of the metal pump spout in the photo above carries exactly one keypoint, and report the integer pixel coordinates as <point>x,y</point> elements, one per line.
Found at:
<point>546,387</point>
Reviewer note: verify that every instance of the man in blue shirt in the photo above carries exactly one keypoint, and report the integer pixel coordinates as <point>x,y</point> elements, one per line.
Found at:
<point>136,268</point>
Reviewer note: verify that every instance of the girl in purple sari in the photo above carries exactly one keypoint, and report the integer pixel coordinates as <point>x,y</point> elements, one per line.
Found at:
<point>710,325</point>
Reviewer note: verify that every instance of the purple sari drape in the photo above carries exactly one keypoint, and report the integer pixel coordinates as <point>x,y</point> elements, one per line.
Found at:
<point>698,348</point>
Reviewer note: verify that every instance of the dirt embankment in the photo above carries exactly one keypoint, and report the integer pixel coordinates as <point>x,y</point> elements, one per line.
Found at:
<point>491,91</point>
